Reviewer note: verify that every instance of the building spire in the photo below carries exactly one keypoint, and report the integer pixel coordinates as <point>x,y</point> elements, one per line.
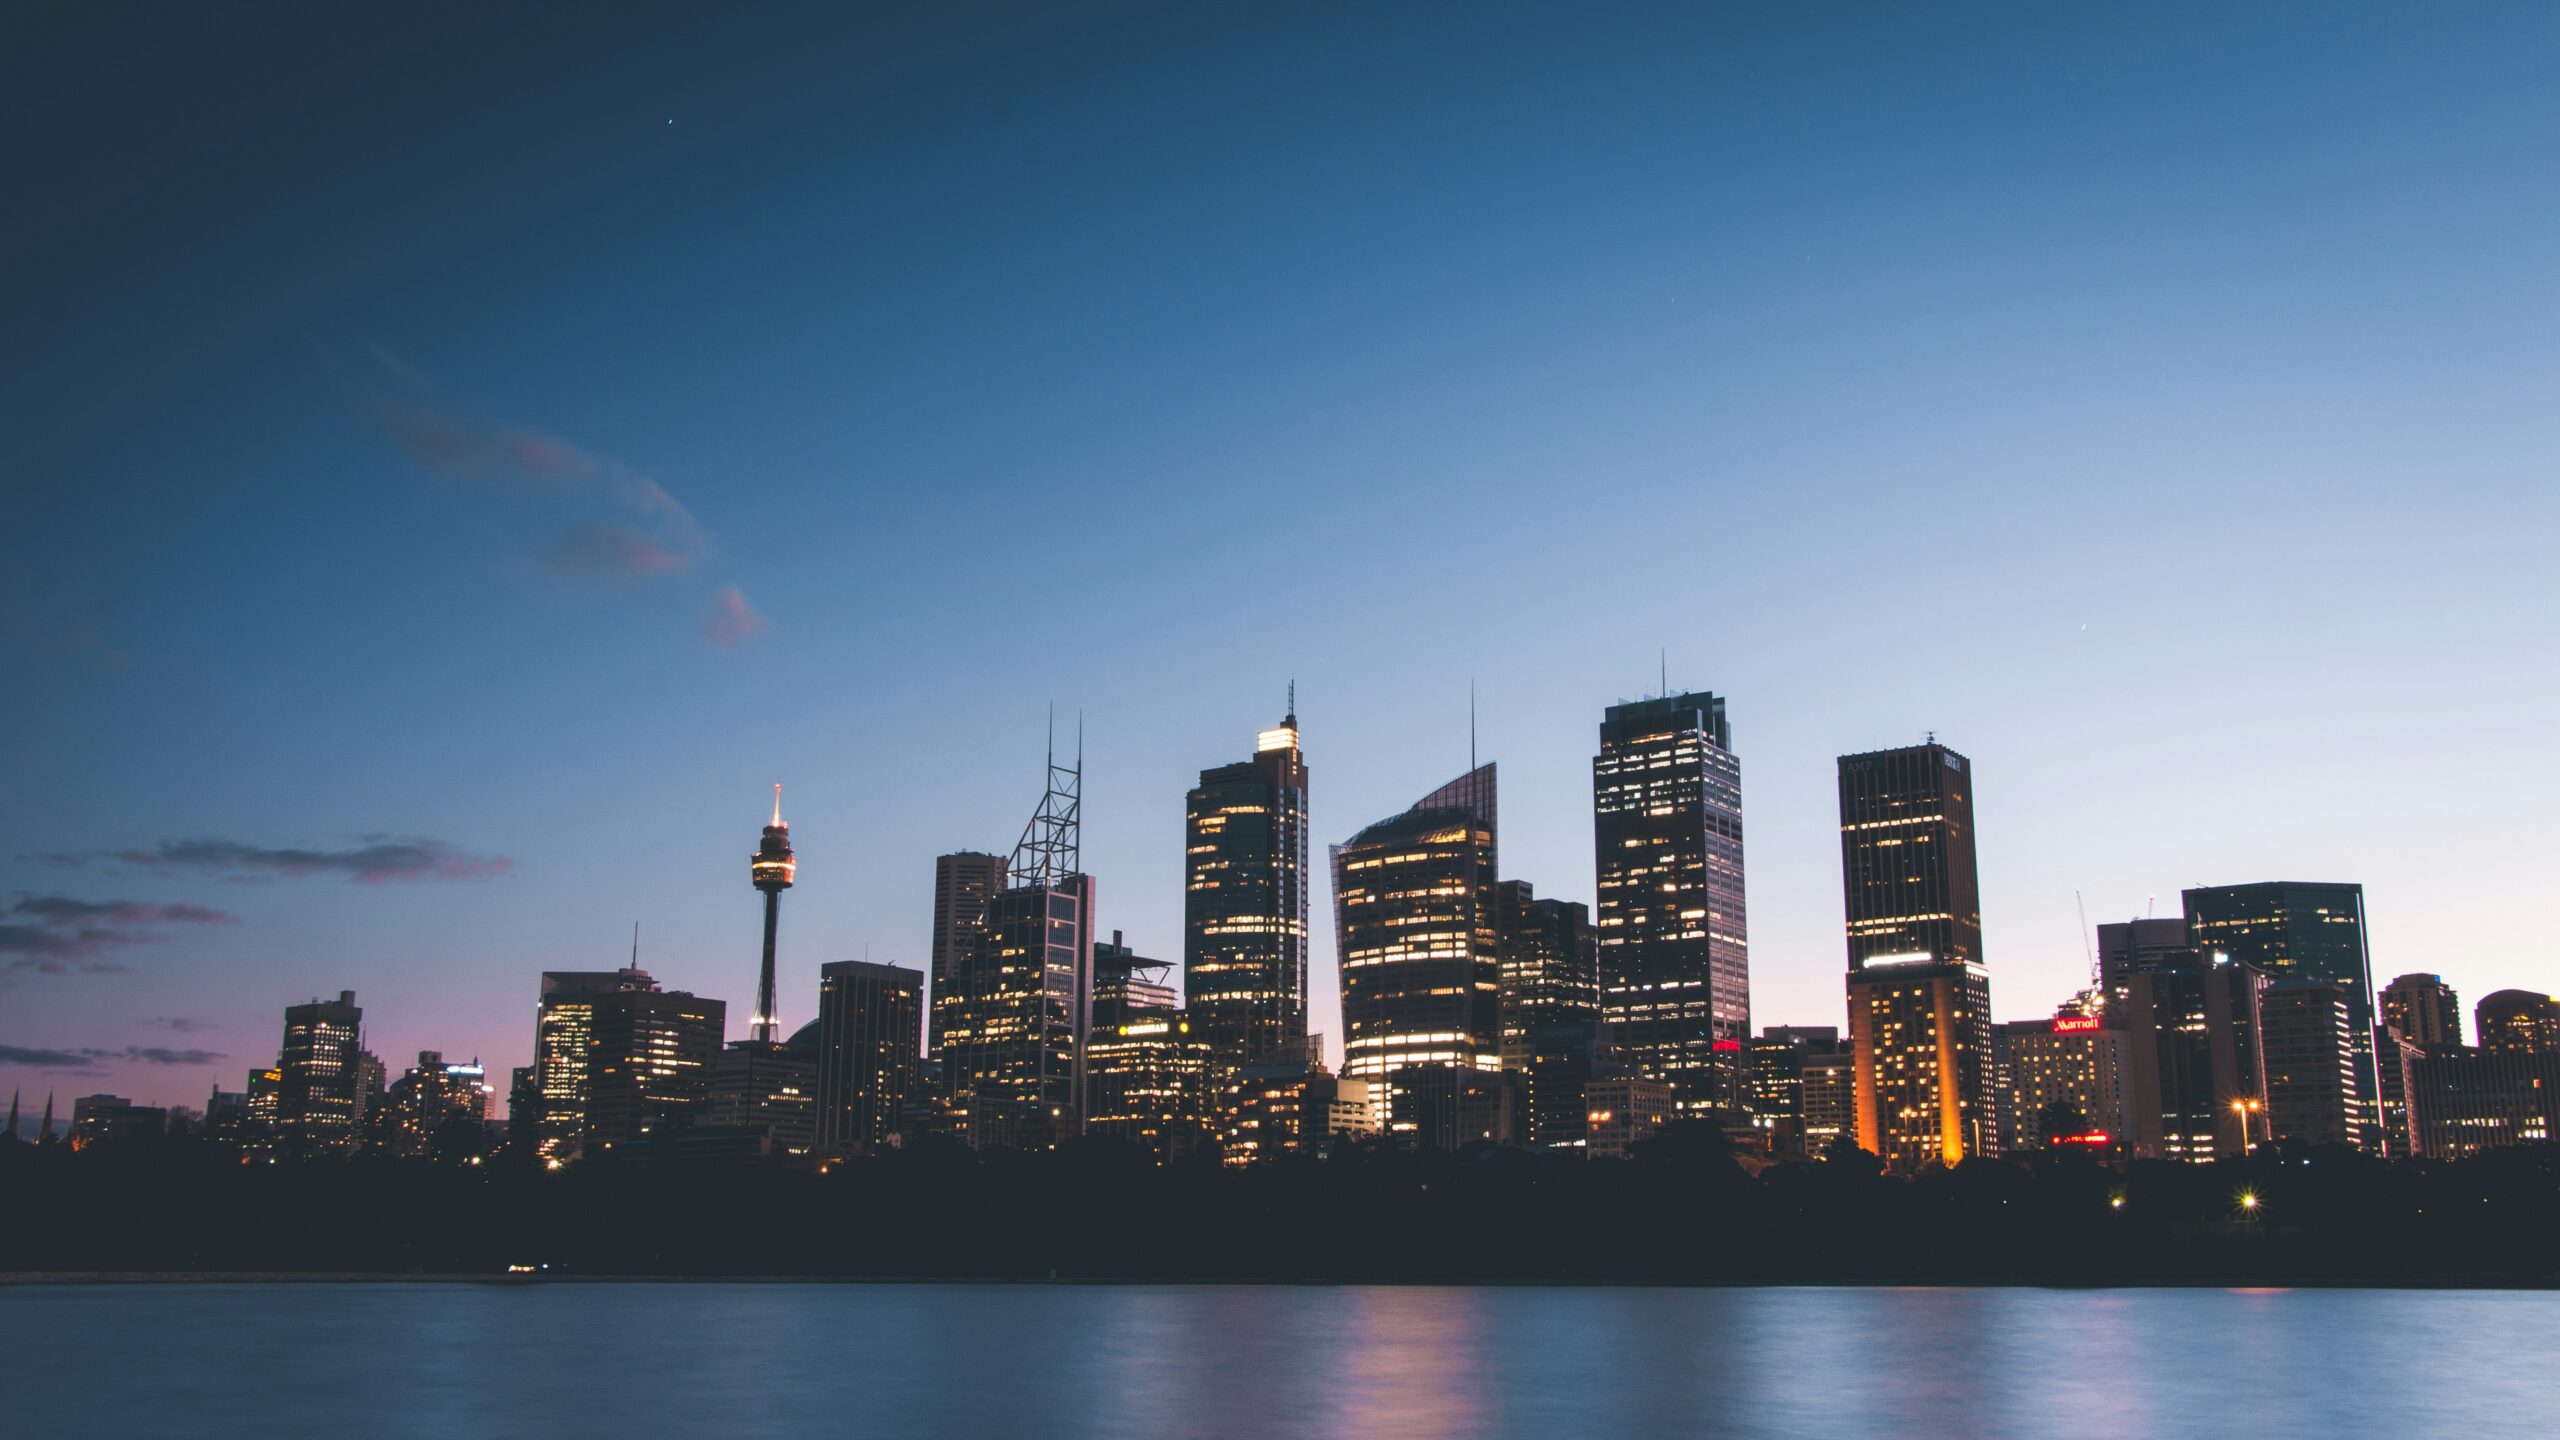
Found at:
<point>13,1117</point>
<point>777,805</point>
<point>44,1136</point>
<point>1471,722</point>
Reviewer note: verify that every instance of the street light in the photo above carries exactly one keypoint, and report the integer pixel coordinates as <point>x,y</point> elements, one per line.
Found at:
<point>2244,1108</point>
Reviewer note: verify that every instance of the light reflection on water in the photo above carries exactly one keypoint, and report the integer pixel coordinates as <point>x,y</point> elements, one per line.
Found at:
<point>1063,1362</point>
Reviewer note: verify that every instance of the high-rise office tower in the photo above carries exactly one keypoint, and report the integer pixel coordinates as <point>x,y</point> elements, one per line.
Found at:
<point>1550,1008</point>
<point>2298,932</point>
<point>617,1059</point>
<point>2424,1010</point>
<point>1014,1030</point>
<point>2130,946</point>
<point>1675,969</point>
<point>319,1096</point>
<point>1244,907</point>
<point>2314,1050</point>
<point>1919,998</point>
<point>1147,1080</point>
<point>767,1090</point>
<point>963,883</point>
<point>2519,1022</point>
<point>2196,1077</point>
<point>1417,930</point>
<point>2072,1063</point>
<point>771,870</point>
<point>1126,982</point>
<point>2463,1101</point>
<point>869,1083</point>
<point>437,1109</point>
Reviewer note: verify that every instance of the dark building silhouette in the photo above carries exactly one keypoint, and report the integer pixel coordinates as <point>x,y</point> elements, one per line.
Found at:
<point>1289,1103</point>
<point>1622,1112</point>
<point>963,883</point>
<point>1126,983</point>
<point>320,1090</point>
<point>433,1105</point>
<point>2424,1010</point>
<point>2314,1050</point>
<point>1549,968</point>
<point>870,1083</point>
<point>1417,932</point>
<point>114,1120</point>
<point>772,869</point>
<point>1774,1082</point>
<point>1675,971</point>
<point>2519,1022</point>
<point>1013,1037</point>
<point>1449,1107</point>
<point>2130,946</point>
<point>2196,1076</point>
<point>1244,907</point>
<point>2298,932</point>
<point>1919,997</point>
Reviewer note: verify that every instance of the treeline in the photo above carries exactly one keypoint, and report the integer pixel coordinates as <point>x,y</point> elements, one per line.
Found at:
<point>1683,1211</point>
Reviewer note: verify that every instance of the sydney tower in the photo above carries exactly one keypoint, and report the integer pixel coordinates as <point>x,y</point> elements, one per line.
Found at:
<point>772,869</point>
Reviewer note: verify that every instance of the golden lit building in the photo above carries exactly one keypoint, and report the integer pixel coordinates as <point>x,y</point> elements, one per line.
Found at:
<point>1417,930</point>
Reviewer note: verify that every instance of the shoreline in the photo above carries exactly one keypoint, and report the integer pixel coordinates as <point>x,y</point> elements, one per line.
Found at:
<point>104,1278</point>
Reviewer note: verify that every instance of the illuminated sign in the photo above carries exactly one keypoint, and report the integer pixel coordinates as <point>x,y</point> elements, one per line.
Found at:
<point>1912,957</point>
<point>2093,1137</point>
<point>1727,1045</point>
<point>2074,1024</point>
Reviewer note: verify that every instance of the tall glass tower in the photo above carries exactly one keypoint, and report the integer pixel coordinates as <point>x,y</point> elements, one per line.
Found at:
<point>1418,931</point>
<point>1244,908</point>
<point>1919,998</point>
<point>1675,950</point>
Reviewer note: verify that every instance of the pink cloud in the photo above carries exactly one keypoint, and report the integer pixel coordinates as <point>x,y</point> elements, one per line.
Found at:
<point>732,618</point>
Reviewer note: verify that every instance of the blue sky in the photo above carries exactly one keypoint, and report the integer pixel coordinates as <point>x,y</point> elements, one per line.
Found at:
<point>2157,405</point>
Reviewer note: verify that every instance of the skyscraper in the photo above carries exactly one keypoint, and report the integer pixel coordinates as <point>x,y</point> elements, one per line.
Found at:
<point>2196,1077</point>
<point>1919,998</point>
<point>2131,946</point>
<point>2297,932</point>
<point>1675,970</point>
<point>2519,1022</point>
<point>616,1058</point>
<point>1550,1008</point>
<point>2314,1049</point>
<point>771,870</point>
<point>2424,1010</point>
<point>1017,1004</point>
<point>1416,927</point>
<point>869,1081</point>
<point>963,883</point>
<point>1244,908</point>
<point>319,1095</point>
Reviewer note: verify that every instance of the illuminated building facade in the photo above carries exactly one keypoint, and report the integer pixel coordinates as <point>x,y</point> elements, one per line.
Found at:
<point>1417,930</point>
<point>2424,1010</point>
<point>1147,1081</point>
<point>1830,1088</point>
<point>2314,1051</point>
<point>1126,983</point>
<point>2519,1022</point>
<point>767,1090</point>
<point>2464,1101</point>
<point>1773,1082</point>
<point>772,869</point>
<point>1244,906</point>
<point>1287,1103</point>
<point>2196,1077</point>
<point>2299,932</point>
<point>2073,1060</point>
<point>1550,1009</point>
<point>1449,1107</point>
<point>870,1080</point>
<point>1674,948</point>
<point>436,1109</point>
<point>1919,998</point>
<point>1623,1111</point>
<point>963,883</point>
<point>616,1058</point>
<point>319,1095</point>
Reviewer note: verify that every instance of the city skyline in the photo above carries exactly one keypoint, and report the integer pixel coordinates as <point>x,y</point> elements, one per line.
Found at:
<point>433,527</point>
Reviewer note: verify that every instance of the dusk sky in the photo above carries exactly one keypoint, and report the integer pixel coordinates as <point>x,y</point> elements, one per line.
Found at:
<point>453,472</point>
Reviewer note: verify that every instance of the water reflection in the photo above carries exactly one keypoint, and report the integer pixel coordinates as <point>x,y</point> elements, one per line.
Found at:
<point>1240,1363</point>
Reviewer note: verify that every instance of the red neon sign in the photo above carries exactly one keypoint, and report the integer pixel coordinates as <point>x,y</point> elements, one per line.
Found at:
<point>1728,1045</point>
<point>2074,1024</point>
<point>2094,1137</point>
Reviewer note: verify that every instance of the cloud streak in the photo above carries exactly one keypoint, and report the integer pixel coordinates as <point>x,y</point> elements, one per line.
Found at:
<point>585,517</point>
<point>372,860</point>
<point>56,934</point>
<point>88,1057</point>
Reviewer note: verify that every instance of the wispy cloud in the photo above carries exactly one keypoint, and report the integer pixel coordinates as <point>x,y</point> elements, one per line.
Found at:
<point>56,934</point>
<point>89,1057</point>
<point>372,860</point>
<point>182,1024</point>
<point>581,516</point>
<point>732,619</point>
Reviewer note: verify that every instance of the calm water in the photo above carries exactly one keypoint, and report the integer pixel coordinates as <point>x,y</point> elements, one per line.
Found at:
<point>1069,1361</point>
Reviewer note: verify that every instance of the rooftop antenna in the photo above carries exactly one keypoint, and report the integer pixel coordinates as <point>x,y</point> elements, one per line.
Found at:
<point>1664,655</point>
<point>1293,699</point>
<point>777,804</point>
<point>1471,723</point>
<point>2088,953</point>
<point>635,945</point>
<point>2151,907</point>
